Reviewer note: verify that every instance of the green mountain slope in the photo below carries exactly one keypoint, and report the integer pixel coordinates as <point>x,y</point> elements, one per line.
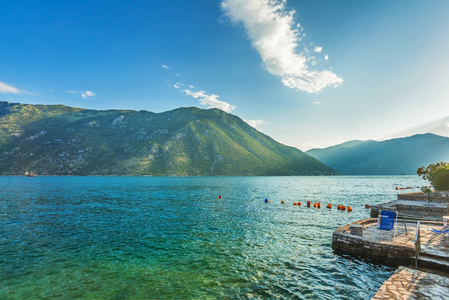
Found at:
<point>391,157</point>
<point>62,140</point>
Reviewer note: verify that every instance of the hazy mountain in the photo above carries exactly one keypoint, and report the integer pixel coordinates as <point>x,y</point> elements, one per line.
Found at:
<point>391,157</point>
<point>438,127</point>
<point>57,139</point>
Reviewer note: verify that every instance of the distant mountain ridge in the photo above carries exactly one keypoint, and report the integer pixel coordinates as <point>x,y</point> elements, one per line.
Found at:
<point>61,140</point>
<point>390,157</point>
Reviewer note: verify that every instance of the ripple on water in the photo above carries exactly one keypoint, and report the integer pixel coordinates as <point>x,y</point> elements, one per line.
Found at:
<point>149,237</point>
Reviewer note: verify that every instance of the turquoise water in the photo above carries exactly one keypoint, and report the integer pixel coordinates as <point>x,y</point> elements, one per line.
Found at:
<point>152,237</point>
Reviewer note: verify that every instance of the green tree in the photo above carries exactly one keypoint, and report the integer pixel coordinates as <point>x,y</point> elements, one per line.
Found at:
<point>428,172</point>
<point>441,179</point>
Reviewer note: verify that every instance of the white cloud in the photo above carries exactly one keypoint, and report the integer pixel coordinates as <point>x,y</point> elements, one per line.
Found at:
<point>317,102</point>
<point>176,86</point>
<point>318,49</point>
<point>7,89</point>
<point>165,67</point>
<point>211,101</point>
<point>87,94</point>
<point>275,35</point>
<point>83,94</point>
<point>256,123</point>
<point>326,57</point>
<point>447,124</point>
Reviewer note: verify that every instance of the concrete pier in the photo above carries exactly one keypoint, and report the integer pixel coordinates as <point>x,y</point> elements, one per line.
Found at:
<point>407,283</point>
<point>386,249</point>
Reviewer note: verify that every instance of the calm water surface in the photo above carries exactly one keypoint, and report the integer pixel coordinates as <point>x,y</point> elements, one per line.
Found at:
<point>152,237</point>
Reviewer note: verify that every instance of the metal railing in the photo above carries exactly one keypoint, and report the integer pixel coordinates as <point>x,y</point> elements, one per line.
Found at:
<point>417,244</point>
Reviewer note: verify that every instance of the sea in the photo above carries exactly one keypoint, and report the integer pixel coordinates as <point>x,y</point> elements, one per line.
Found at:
<point>175,238</point>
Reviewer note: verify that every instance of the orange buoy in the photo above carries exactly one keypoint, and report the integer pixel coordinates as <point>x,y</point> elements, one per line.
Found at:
<point>339,206</point>
<point>282,202</point>
<point>314,205</point>
<point>397,188</point>
<point>269,201</point>
<point>299,203</point>
<point>329,205</point>
<point>343,207</point>
<point>319,205</point>
<point>294,203</point>
<point>349,208</point>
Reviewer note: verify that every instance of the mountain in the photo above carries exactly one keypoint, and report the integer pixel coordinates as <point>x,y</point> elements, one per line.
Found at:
<point>61,140</point>
<point>438,127</point>
<point>391,157</point>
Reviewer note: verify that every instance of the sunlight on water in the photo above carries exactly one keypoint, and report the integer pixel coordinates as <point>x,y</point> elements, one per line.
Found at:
<point>151,237</point>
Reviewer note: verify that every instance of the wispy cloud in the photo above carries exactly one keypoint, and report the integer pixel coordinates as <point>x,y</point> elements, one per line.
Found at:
<point>83,94</point>
<point>165,67</point>
<point>275,35</point>
<point>317,102</point>
<point>7,89</point>
<point>87,94</point>
<point>318,49</point>
<point>211,101</point>
<point>178,85</point>
<point>256,123</point>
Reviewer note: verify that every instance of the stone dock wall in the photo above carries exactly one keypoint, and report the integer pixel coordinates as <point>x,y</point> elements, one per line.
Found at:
<point>439,197</point>
<point>346,243</point>
<point>433,210</point>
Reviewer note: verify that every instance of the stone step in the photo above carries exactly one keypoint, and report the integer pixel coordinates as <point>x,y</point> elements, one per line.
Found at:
<point>439,254</point>
<point>432,262</point>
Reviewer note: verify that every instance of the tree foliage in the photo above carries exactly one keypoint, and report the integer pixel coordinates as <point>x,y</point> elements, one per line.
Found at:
<point>441,179</point>
<point>428,173</point>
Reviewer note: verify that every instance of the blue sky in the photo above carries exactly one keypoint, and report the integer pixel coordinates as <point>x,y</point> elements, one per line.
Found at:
<point>308,73</point>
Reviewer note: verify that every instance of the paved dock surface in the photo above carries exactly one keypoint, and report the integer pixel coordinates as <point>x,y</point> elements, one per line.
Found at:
<point>406,232</point>
<point>407,283</point>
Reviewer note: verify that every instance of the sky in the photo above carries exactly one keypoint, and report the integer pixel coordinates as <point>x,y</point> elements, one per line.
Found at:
<point>308,73</point>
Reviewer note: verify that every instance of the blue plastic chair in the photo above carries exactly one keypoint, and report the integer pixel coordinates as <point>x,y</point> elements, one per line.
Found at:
<point>387,220</point>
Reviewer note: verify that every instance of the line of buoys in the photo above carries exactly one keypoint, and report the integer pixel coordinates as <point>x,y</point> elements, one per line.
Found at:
<point>411,187</point>
<point>342,207</point>
<point>318,205</point>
